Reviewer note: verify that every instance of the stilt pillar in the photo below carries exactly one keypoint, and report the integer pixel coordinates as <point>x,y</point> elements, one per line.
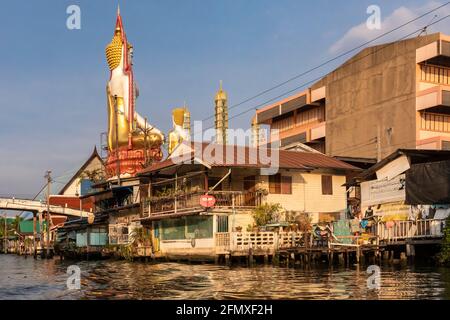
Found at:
<point>34,236</point>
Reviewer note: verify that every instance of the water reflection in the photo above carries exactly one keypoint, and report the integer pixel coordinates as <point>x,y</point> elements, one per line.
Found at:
<point>35,279</point>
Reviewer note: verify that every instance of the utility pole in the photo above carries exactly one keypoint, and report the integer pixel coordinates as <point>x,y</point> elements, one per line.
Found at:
<point>34,235</point>
<point>379,143</point>
<point>5,236</point>
<point>145,143</point>
<point>49,181</point>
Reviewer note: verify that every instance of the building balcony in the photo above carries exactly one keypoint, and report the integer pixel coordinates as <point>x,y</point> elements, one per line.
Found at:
<point>435,100</point>
<point>433,143</point>
<point>187,203</point>
<point>318,132</point>
<point>302,101</point>
<point>310,134</point>
<point>433,118</point>
<point>436,53</point>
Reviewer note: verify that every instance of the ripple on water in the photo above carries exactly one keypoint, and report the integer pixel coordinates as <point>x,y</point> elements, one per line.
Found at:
<point>29,279</point>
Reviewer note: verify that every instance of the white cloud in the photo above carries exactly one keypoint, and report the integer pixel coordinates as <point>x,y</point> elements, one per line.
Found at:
<point>360,34</point>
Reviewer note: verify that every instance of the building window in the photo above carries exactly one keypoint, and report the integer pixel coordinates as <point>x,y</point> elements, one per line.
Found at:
<point>283,124</point>
<point>327,185</point>
<point>186,228</point>
<point>286,185</point>
<point>222,224</point>
<point>310,116</point>
<point>446,145</point>
<point>435,74</point>
<point>435,122</point>
<point>279,184</point>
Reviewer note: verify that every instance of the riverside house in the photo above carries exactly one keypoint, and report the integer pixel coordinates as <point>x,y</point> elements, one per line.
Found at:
<point>185,222</point>
<point>406,196</point>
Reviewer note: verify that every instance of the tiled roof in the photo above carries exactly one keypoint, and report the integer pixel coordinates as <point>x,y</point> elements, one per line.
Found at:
<point>215,155</point>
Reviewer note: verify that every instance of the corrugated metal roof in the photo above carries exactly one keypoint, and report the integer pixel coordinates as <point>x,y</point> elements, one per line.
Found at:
<point>415,155</point>
<point>216,155</point>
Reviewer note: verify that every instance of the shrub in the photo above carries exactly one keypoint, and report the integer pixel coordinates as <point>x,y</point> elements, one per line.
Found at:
<point>444,255</point>
<point>266,213</point>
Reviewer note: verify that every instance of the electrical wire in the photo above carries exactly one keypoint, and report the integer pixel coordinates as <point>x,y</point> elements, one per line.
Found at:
<point>335,58</point>
<point>382,47</point>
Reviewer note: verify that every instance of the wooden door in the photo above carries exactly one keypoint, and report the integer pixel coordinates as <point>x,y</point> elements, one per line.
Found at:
<point>249,191</point>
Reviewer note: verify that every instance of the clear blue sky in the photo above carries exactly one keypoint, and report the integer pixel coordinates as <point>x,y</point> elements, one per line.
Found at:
<point>52,83</point>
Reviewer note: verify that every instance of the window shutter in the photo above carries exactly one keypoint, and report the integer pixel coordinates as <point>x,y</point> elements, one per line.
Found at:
<point>286,185</point>
<point>327,185</point>
<point>275,184</point>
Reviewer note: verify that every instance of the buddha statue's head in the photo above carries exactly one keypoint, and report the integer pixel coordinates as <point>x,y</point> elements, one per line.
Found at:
<point>178,117</point>
<point>114,51</point>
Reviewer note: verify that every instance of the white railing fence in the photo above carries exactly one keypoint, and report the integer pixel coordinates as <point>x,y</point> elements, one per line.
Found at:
<point>402,230</point>
<point>265,241</point>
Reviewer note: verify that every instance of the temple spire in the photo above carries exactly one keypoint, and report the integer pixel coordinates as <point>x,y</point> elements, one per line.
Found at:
<point>221,115</point>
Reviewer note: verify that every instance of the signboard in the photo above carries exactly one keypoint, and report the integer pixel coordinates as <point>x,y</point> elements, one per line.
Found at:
<point>392,211</point>
<point>394,168</point>
<point>207,201</point>
<point>385,191</point>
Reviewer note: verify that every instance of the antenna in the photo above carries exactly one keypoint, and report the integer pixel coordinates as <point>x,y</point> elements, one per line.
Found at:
<point>425,29</point>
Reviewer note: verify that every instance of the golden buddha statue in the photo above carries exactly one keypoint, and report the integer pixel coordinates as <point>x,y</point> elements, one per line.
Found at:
<point>129,134</point>
<point>181,128</point>
<point>125,127</point>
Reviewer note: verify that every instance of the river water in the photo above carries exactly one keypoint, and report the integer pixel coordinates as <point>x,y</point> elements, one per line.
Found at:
<point>26,278</point>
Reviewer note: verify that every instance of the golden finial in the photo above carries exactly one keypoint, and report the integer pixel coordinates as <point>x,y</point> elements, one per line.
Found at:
<point>221,95</point>
<point>118,10</point>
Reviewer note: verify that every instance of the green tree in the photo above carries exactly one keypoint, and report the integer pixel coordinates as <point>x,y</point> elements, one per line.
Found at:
<point>12,225</point>
<point>15,224</point>
<point>444,255</point>
<point>266,213</point>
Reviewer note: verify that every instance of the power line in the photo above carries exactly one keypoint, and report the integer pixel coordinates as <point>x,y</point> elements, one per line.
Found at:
<point>356,146</point>
<point>333,59</point>
<point>375,140</point>
<point>305,84</point>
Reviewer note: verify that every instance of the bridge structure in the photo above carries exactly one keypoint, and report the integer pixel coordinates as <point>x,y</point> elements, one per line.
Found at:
<point>37,206</point>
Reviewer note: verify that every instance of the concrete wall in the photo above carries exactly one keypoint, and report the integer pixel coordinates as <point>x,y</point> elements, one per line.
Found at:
<point>184,247</point>
<point>375,88</point>
<point>307,194</point>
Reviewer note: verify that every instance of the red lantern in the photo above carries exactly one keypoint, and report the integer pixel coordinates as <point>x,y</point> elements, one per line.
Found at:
<point>207,201</point>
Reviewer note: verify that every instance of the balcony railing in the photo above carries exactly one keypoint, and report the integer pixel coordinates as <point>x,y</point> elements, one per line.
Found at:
<point>265,241</point>
<point>435,74</point>
<point>404,230</point>
<point>191,201</point>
